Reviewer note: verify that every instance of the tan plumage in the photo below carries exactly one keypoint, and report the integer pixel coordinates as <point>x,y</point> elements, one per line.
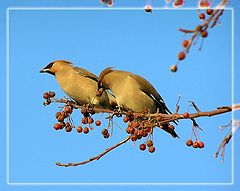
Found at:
<point>79,84</point>
<point>133,92</point>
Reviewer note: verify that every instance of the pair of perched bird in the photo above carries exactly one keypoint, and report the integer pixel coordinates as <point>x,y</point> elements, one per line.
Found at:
<point>130,91</point>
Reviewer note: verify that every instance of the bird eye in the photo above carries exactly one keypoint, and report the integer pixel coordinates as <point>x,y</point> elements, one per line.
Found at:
<point>49,65</point>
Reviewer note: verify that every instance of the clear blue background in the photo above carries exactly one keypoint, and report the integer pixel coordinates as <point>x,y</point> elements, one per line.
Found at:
<point>146,44</point>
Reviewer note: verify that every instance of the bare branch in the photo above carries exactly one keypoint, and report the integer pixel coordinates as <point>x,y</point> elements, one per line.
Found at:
<point>96,157</point>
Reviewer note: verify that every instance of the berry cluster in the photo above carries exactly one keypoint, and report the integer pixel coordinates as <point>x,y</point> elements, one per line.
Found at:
<point>200,30</point>
<point>142,128</point>
<point>195,144</point>
<point>47,96</point>
<point>61,117</point>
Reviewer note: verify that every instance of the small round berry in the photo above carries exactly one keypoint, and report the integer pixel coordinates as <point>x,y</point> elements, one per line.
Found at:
<point>85,130</point>
<point>68,128</point>
<point>186,115</point>
<point>60,118</point>
<point>128,130</point>
<point>47,102</point>
<point>173,68</point>
<point>201,144</point>
<point>185,43</point>
<point>181,56</point>
<point>148,9</point>
<point>126,119</point>
<point>149,143</point>
<point>209,11</point>
<point>134,137</point>
<point>98,123</point>
<point>62,125</point>
<point>106,136</point>
<point>151,149</point>
<point>68,124</point>
<point>202,16</point>
<point>58,114</point>
<point>52,94</point>
<point>104,131</point>
<point>171,127</point>
<point>90,120</point>
<point>145,133</point>
<point>142,147</point>
<point>79,129</point>
<point>195,144</point>
<point>68,109</point>
<point>204,34</point>
<point>46,95</point>
<point>92,112</point>
<point>57,126</point>
<point>198,28</point>
<point>84,110</point>
<point>84,120</point>
<point>189,142</point>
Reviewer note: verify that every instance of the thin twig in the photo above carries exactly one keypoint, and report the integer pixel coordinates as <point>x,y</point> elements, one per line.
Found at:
<point>96,157</point>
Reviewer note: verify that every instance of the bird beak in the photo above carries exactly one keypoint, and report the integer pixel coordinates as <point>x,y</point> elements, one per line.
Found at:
<point>43,70</point>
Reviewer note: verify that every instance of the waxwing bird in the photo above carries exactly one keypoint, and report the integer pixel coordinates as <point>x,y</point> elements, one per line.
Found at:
<point>133,92</point>
<point>79,84</point>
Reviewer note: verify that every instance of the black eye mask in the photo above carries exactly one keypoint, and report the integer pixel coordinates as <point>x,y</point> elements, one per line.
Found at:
<point>49,65</point>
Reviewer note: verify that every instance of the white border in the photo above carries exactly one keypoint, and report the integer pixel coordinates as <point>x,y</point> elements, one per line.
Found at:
<point>109,184</point>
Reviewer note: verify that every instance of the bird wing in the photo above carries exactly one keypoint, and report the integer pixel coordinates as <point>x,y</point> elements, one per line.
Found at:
<point>150,91</point>
<point>85,73</point>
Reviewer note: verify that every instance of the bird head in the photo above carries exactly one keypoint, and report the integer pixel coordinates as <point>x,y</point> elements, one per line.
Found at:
<point>102,81</point>
<point>55,66</point>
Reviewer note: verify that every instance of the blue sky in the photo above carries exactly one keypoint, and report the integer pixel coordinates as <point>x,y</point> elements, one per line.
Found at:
<point>145,44</point>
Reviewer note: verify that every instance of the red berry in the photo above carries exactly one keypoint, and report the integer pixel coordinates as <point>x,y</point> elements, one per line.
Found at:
<point>79,129</point>
<point>98,123</point>
<point>171,127</point>
<point>173,68</point>
<point>61,118</point>
<point>126,119</point>
<point>189,142</point>
<point>58,114</point>
<point>68,109</point>
<point>185,43</point>
<point>186,115</point>
<point>85,130</point>
<point>106,136</point>
<point>202,16</point>
<point>90,120</point>
<point>204,33</point>
<point>68,128</point>
<point>84,120</point>
<point>57,126</point>
<point>201,144</point>
<point>149,143</point>
<point>181,55</point>
<point>151,149</point>
<point>148,8</point>
<point>209,11</point>
<point>51,94</point>
<point>62,125</point>
<point>104,131</point>
<point>46,95</point>
<point>84,110</point>
<point>142,147</point>
<point>195,144</point>
<point>110,3</point>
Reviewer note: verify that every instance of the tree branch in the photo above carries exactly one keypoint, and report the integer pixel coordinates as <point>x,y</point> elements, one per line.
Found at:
<point>96,157</point>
